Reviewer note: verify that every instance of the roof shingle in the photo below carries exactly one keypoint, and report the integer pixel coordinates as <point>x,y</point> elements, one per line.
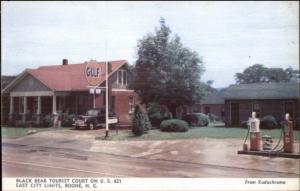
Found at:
<point>263,91</point>
<point>69,77</point>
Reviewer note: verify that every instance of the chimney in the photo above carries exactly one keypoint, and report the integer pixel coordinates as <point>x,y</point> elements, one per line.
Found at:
<point>65,62</point>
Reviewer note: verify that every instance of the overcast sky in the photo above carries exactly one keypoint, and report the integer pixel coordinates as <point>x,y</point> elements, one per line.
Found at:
<point>230,36</point>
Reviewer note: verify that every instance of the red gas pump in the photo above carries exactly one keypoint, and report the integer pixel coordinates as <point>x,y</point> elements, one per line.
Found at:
<point>254,133</point>
<point>288,135</point>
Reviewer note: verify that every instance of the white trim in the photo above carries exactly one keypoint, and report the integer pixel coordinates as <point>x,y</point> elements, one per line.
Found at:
<point>39,105</point>
<point>25,104</point>
<point>53,104</point>
<point>33,93</point>
<point>122,90</point>
<point>62,93</point>
<point>11,105</point>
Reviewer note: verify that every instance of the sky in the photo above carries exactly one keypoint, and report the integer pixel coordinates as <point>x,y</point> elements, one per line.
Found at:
<point>229,36</point>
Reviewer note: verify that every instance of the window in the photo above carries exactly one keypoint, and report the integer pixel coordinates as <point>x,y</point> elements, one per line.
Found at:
<point>289,108</point>
<point>131,104</point>
<point>206,110</point>
<point>122,77</point>
<point>223,114</point>
<point>256,108</point>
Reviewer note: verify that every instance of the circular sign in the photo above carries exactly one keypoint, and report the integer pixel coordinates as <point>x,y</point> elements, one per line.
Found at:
<point>93,73</point>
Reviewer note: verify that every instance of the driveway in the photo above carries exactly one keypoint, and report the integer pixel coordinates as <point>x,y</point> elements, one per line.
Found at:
<point>218,153</point>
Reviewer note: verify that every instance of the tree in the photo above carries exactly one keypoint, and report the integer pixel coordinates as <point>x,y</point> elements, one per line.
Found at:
<point>166,72</point>
<point>5,80</point>
<point>140,121</point>
<point>260,74</point>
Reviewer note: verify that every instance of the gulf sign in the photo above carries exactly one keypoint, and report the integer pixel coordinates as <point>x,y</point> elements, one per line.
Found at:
<point>93,73</point>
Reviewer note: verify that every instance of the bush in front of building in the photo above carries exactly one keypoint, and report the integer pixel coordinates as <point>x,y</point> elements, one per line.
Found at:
<point>244,124</point>
<point>157,113</point>
<point>174,125</point>
<point>213,117</point>
<point>196,119</point>
<point>140,121</point>
<point>67,119</point>
<point>268,122</point>
<point>48,120</point>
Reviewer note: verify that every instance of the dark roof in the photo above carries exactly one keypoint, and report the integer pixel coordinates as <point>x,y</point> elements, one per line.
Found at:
<point>263,91</point>
<point>213,98</point>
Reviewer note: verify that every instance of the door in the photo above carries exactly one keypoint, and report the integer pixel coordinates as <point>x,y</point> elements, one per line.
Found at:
<point>206,110</point>
<point>235,118</point>
<point>289,108</point>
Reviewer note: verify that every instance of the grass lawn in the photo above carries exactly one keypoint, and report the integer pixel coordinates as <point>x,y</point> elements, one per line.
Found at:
<point>194,133</point>
<point>14,132</point>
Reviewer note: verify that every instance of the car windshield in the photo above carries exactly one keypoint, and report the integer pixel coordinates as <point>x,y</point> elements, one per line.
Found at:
<point>92,112</point>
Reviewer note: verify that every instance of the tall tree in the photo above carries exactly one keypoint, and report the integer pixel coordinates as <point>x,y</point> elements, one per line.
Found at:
<point>259,74</point>
<point>166,72</point>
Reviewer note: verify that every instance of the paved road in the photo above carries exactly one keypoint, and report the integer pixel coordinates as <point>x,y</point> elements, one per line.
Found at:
<point>28,160</point>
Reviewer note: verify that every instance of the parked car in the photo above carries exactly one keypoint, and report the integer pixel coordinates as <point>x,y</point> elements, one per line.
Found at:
<point>94,118</point>
<point>196,119</point>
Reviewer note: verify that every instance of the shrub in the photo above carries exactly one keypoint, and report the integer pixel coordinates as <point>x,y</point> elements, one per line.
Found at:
<point>244,124</point>
<point>140,121</point>
<point>67,119</point>
<point>196,119</point>
<point>213,117</point>
<point>268,122</point>
<point>157,113</point>
<point>174,125</point>
<point>48,120</point>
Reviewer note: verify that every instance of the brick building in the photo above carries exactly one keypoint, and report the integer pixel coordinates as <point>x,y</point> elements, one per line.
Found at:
<point>211,103</point>
<point>274,99</point>
<point>50,89</point>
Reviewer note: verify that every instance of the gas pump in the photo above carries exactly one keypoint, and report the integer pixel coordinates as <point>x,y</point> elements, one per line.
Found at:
<point>288,135</point>
<point>253,124</point>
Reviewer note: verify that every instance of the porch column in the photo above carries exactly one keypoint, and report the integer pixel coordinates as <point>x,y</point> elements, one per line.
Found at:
<point>24,110</point>
<point>11,109</point>
<point>54,113</point>
<point>39,110</point>
<point>54,104</point>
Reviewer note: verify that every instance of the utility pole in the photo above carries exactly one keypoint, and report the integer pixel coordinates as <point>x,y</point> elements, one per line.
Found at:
<point>106,93</point>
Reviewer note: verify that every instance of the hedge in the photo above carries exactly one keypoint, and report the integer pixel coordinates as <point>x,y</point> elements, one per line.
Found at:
<point>174,125</point>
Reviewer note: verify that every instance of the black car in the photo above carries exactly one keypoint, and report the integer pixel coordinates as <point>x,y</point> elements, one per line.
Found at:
<point>94,118</point>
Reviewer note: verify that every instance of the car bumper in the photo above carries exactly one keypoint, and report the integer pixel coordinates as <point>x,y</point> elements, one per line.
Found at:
<point>80,124</point>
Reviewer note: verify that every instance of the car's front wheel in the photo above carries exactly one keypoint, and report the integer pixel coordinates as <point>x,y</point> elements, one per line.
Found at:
<point>91,126</point>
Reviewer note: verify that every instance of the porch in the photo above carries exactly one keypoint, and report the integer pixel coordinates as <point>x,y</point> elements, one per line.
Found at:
<point>30,108</point>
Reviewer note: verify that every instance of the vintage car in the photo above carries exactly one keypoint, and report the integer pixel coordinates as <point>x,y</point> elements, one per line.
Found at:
<point>94,118</point>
